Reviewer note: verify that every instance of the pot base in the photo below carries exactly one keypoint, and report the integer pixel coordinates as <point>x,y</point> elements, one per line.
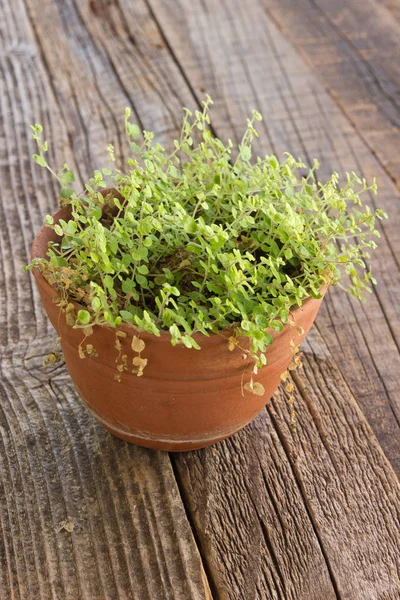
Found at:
<point>147,440</point>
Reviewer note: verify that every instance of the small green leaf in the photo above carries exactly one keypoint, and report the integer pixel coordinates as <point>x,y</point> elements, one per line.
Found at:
<point>109,282</point>
<point>96,304</point>
<point>97,213</point>
<point>127,286</point>
<point>143,269</point>
<point>133,130</point>
<point>189,224</point>
<point>83,317</point>
<point>141,280</point>
<point>126,315</point>
<point>173,171</point>
<point>40,160</point>
<point>71,228</point>
<point>66,192</point>
<point>67,177</point>
<point>245,153</point>
<point>268,339</point>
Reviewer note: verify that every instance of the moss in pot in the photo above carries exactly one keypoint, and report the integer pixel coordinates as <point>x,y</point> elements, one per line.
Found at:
<point>182,286</point>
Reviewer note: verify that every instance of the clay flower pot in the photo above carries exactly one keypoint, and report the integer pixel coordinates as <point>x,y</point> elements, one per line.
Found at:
<point>186,398</point>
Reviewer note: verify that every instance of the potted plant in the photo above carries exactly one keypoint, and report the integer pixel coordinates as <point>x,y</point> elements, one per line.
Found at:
<point>182,286</point>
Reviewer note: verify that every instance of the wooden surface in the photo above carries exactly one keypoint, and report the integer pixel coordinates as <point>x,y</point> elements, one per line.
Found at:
<point>271,513</point>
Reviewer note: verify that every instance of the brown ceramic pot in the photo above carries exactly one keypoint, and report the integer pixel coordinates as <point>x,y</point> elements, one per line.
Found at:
<point>186,398</point>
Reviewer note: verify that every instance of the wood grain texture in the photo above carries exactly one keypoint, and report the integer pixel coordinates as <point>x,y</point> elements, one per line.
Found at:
<point>27,192</point>
<point>298,515</point>
<point>393,7</point>
<point>130,537</point>
<point>354,48</point>
<point>307,515</point>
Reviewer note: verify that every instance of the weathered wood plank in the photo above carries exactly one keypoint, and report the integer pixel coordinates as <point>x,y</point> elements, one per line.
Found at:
<point>119,67</point>
<point>323,500</point>
<point>226,53</point>
<point>393,7</point>
<point>27,192</point>
<point>59,469</point>
<point>354,47</point>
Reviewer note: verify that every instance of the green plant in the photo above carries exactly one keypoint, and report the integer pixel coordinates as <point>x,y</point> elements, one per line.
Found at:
<point>198,240</point>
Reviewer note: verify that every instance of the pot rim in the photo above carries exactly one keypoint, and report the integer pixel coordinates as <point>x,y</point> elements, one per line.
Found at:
<point>128,328</point>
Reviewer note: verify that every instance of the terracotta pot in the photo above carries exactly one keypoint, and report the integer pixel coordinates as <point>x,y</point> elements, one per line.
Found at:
<point>186,398</point>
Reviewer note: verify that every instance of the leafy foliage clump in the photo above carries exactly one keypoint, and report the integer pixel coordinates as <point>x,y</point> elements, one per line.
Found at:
<point>202,238</point>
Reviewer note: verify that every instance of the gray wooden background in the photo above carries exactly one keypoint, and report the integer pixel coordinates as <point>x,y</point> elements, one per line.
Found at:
<point>271,513</point>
